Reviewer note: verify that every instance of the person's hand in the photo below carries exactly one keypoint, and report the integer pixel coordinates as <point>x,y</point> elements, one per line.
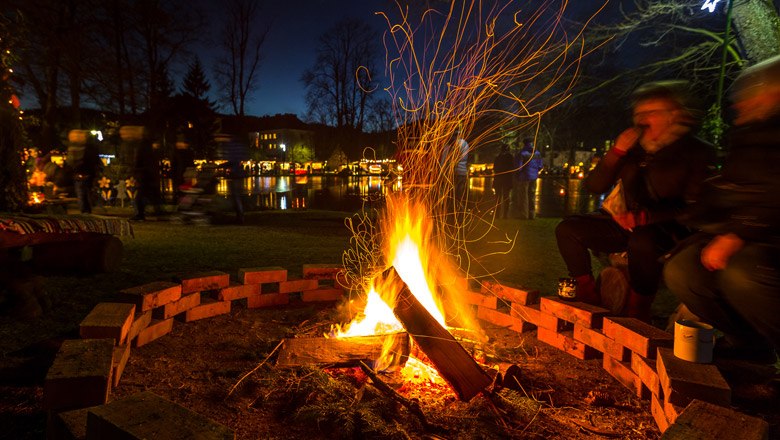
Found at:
<point>631,219</point>
<point>716,255</point>
<point>627,140</point>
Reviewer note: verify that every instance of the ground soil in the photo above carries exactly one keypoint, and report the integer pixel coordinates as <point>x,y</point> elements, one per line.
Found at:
<point>199,363</point>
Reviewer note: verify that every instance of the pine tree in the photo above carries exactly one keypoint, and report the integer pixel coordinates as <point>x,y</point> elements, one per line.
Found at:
<point>13,185</point>
<point>195,83</point>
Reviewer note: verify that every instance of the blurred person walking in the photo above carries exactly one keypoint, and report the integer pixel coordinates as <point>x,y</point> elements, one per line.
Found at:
<point>83,157</point>
<point>503,169</point>
<point>528,163</point>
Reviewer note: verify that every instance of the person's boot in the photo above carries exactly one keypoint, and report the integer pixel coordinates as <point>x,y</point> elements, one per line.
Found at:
<point>638,306</point>
<point>586,290</point>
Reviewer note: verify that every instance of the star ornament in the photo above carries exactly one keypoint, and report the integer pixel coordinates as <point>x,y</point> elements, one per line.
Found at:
<point>104,182</point>
<point>710,5</point>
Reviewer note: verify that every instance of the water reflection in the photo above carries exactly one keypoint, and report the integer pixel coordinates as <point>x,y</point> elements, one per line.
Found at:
<point>555,196</point>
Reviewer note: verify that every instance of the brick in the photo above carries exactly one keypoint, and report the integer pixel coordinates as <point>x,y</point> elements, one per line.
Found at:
<point>148,416</point>
<point>596,339</point>
<point>140,322</point>
<point>702,420</point>
<point>511,292</point>
<point>108,320</point>
<point>684,381</point>
<point>267,300</point>
<point>529,314</point>
<point>238,291</point>
<point>80,375</point>
<point>262,275</point>
<point>575,312</point>
<point>156,330</point>
<point>553,323</point>
<point>151,295</point>
<point>639,337</point>
<point>201,281</point>
<point>321,271</point>
<point>291,286</point>
<point>208,308</point>
<point>118,362</point>
<point>323,294</point>
<point>565,342</point>
<point>672,411</point>
<point>657,410</point>
<point>503,320</point>
<point>478,299</point>
<point>622,372</point>
<point>68,425</point>
<point>170,310</point>
<point>645,369</point>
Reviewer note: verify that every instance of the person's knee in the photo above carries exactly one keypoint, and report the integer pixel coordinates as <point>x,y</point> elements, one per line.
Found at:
<point>642,242</point>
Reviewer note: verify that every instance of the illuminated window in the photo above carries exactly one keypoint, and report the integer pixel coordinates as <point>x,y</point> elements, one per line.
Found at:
<point>274,135</point>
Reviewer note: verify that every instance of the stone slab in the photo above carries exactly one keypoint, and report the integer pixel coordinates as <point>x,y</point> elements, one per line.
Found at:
<point>701,420</point>
<point>80,375</point>
<point>148,416</point>
<point>684,381</point>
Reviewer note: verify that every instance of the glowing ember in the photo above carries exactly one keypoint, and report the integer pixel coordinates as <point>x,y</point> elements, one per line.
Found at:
<point>35,198</point>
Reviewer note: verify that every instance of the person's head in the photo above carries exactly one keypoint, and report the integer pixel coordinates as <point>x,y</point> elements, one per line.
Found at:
<point>528,144</point>
<point>756,92</point>
<point>663,111</point>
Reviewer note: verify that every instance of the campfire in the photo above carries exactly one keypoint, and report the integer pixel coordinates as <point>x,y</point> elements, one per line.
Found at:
<point>403,301</point>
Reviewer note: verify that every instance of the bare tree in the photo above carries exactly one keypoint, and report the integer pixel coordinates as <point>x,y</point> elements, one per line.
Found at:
<point>242,41</point>
<point>339,84</point>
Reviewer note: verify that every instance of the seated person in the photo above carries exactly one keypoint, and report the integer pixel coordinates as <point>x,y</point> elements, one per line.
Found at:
<point>729,274</point>
<point>661,166</point>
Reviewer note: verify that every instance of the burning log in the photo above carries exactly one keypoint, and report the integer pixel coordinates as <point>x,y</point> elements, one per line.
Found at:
<point>344,351</point>
<point>451,360</point>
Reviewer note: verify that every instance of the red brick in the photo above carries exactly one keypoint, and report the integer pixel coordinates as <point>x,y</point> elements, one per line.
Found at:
<point>119,360</point>
<point>170,310</point>
<point>575,312</point>
<point>566,342</point>
<point>238,291</point>
<point>148,416</point>
<point>503,320</point>
<point>683,381</point>
<point>108,320</point>
<point>637,336</point>
<point>321,271</point>
<point>672,411</point>
<point>323,294</point>
<point>199,282</point>
<point>596,339</point>
<point>702,420</point>
<point>511,292</point>
<point>156,330</point>
<point>621,371</point>
<point>262,275</point>
<point>291,286</point>
<point>267,300</point>
<point>646,371</point>
<point>656,408</point>
<point>478,299</point>
<point>151,295</point>
<point>207,309</point>
<point>80,375</point>
<point>140,322</point>
<point>530,313</point>
<point>553,323</point>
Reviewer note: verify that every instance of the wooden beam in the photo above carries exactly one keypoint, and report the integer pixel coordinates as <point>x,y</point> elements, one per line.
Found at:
<point>451,360</point>
<point>343,351</point>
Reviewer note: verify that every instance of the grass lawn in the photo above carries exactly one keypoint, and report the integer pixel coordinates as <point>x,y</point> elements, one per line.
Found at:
<point>515,251</point>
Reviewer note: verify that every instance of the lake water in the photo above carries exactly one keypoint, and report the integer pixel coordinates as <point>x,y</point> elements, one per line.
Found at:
<point>555,196</point>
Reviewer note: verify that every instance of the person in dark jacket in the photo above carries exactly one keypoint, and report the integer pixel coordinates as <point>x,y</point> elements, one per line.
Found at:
<point>528,164</point>
<point>234,152</point>
<point>146,170</point>
<point>729,274</point>
<point>503,168</point>
<point>660,166</point>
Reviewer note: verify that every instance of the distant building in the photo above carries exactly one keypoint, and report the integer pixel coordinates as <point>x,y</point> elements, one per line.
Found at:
<point>284,144</point>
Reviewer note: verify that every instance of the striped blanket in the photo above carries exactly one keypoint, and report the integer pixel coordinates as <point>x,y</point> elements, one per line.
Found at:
<point>31,224</point>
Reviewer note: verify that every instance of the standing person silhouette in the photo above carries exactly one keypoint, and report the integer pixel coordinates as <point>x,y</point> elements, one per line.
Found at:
<point>503,170</point>
<point>528,163</point>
